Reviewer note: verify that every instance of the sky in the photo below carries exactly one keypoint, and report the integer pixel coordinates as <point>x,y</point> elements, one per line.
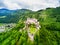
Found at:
<point>29,4</point>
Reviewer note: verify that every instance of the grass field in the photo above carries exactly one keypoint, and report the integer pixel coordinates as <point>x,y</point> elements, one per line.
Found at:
<point>32,30</point>
<point>1,24</point>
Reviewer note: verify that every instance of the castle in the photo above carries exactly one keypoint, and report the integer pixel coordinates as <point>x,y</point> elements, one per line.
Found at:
<point>31,21</point>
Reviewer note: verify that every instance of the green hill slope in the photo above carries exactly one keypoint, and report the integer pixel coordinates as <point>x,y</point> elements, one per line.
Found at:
<point>49,34</point>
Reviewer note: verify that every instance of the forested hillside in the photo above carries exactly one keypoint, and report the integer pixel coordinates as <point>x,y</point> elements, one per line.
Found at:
<point>11,16</point>
<point>48,34</point>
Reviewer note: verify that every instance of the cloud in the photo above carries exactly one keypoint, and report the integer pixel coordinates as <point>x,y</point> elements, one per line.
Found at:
<point>29,4</point>
<point>1,3</point>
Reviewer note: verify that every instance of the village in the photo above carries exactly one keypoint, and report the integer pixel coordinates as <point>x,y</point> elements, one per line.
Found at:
<point>6,27</point>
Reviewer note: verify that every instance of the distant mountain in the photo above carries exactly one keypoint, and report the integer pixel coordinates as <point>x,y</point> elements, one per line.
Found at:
<point>15,15</point>
<point>6,11</point>
<point>12,15</point>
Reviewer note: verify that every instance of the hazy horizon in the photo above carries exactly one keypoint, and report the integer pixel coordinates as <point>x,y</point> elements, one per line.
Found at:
<point>29,4</point>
